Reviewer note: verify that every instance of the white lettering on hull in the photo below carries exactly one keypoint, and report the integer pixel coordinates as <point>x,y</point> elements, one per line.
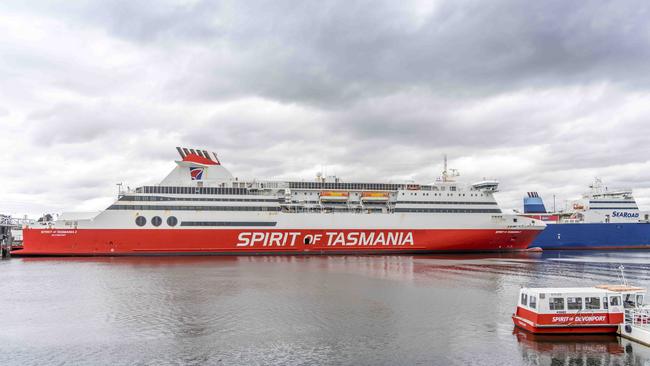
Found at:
<point>56,232</point>
<point>330,238</point>
<point>267,239</point>
<point>579,319</point>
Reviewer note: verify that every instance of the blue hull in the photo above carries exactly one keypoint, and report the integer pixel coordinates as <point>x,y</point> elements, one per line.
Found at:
<point>594,236</point>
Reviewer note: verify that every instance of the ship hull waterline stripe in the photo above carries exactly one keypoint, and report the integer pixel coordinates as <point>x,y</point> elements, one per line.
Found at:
<point>260,240</point>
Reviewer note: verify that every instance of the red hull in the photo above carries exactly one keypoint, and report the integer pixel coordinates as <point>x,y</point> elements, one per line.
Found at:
<point>228,241</point>
<point>588,323</point>
<point>582,329</point>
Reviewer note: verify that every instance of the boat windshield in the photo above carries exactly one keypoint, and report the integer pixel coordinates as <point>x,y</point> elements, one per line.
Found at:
<point>632,300</point>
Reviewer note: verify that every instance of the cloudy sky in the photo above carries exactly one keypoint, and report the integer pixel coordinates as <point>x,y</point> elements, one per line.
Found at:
<point>541,95</point>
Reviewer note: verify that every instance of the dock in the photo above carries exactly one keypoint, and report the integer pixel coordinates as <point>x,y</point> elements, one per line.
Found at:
<point>636,326</point>
<point>6,239</point>
<point>11,235</point>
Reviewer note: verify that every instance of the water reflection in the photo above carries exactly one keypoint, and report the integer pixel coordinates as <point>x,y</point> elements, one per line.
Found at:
<point>434,309</point>
<point>593,350</point>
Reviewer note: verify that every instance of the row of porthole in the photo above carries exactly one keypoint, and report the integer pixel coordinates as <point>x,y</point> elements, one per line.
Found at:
<point>156,221</point>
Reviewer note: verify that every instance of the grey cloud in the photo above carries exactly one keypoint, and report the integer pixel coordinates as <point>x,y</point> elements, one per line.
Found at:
<point>335,53</point>
<point>342,53</point>
<point>84,122</point>
<point>541,95</point>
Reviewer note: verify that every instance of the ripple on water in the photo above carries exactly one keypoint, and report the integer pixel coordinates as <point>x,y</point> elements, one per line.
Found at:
<point>440,310</point>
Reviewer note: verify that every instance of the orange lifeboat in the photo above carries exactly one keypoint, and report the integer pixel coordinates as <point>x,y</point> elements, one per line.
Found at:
<point>334,196</point>
<point>374,196</point>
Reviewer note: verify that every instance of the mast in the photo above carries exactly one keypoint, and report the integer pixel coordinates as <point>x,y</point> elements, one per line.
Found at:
<point>444,171</point>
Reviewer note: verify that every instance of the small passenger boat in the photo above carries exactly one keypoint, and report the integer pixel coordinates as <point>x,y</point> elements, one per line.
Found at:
<point>577,310</point>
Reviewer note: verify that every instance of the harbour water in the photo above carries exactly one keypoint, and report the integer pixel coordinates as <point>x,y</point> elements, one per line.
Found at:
<point>351,310</point>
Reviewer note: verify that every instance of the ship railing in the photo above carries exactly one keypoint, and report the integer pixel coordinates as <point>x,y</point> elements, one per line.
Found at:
<point>6,220</point>
<point>638,317</point>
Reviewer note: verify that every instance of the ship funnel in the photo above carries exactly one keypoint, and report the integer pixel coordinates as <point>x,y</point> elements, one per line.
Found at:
<point>534,204</point>
<point>198,156</point>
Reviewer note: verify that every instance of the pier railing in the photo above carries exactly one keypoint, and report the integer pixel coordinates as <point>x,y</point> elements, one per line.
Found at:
<point>638,317</point>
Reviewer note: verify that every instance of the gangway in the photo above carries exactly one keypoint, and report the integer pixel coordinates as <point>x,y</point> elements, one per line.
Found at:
<point>636,326</point>
<point>11,233</point>
<point>6,224</point>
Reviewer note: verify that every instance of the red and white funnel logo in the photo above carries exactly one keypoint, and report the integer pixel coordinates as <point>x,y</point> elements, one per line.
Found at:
<point>196,173</point>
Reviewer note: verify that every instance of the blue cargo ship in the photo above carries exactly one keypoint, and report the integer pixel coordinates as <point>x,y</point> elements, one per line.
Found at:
<point>601,219</point>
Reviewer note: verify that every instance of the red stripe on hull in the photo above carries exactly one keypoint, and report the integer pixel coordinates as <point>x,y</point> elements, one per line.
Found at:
<point>287,241</point>
<point>577,323</point>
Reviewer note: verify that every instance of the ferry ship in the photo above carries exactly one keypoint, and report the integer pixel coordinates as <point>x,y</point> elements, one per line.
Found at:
<point>601,219</point>
<point>201,208</point>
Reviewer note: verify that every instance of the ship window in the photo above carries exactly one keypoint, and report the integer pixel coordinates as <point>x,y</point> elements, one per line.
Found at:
<point>574,303</point>
<point>605,303</point>
<point>592,302</point>
<point>556,303</point>
<point>639,300</point>
<point>172,221</point>
<point>156,221</point>
<point>141,221</point>
<point>615,301</point>
<point>533,302</point>
<point>524,299</point>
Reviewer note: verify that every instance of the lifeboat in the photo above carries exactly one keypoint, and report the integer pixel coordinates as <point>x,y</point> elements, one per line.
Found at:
<point>580,310</point>
<point>374,196</point>
<point>337,196</point>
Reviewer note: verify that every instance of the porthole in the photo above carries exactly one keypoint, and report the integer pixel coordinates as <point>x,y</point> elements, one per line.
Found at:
<point>172,221</point>
<point>141,221</point>
<point>156,221</point>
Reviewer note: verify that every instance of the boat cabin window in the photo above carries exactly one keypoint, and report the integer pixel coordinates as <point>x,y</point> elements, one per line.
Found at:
<point>592,302</point>
<point>615,301</point>
<point>639,300</point>
<point>574,303</point>
<point>524,299</point>
<point>556,303</point>
<point>605,303</point>
<point>533,302</point>
<point>628,301</point>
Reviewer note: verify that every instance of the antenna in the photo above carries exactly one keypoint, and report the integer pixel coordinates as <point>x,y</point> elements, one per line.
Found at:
<point>448,174</point>
<point>444,170</point>
<point>119,189</point>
